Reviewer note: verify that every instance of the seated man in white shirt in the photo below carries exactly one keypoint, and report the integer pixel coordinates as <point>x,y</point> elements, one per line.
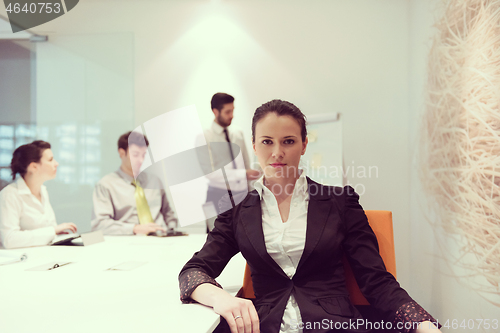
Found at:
<point>125,205</point>
<point>26,216</point>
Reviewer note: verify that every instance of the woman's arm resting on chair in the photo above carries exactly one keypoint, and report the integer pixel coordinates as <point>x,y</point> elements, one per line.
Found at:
<point>378,286</point>
<point>239,313</point>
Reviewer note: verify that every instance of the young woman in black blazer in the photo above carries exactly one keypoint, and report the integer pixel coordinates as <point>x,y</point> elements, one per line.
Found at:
<point>293,232</point>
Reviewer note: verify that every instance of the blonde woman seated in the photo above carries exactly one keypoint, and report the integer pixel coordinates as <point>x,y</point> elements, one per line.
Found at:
<point>293,232</point>
<point>26,216</point>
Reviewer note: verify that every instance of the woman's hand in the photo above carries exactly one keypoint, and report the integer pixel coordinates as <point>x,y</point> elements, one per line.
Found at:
<point>427,327</point>
<point>239,313</point>
<point>61,228</point>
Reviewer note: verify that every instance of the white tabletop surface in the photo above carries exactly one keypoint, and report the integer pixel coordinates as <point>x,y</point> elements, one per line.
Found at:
<point>85,296</point>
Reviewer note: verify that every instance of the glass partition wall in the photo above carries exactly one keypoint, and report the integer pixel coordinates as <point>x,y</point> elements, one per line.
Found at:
<point>78,94</point>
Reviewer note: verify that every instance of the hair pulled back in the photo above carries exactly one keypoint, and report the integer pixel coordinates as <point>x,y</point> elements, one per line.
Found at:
<point>26,154</point>
<point>281,108</point>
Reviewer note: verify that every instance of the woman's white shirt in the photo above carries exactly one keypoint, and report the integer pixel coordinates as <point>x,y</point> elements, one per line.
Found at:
<point>24,220</point>
<point>285,241</point>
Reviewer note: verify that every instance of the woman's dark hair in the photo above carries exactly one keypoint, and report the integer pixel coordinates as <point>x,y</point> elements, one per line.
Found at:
<point>26,154</point>
<point>281,108</point>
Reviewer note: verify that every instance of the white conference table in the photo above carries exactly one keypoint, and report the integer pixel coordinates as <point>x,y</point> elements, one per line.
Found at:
<point>85,296</point>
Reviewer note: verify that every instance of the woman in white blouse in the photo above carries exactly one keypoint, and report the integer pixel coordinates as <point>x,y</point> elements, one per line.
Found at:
<point>26,216</point>
<point>293,231</point>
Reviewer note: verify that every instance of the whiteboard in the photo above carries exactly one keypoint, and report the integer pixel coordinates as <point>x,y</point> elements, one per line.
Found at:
<point>323,159</point>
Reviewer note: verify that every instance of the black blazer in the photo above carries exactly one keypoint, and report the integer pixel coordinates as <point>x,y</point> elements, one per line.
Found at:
<point>336,225</point>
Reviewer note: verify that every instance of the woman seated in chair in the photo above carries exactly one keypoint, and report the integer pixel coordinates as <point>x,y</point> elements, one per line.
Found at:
<point>293,231</point>
<point>26,216</point>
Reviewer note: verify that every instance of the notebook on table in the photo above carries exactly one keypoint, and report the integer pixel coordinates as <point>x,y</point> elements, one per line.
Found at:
<point>10,257</point>
<point>65,239</point>
<point>85,239</point>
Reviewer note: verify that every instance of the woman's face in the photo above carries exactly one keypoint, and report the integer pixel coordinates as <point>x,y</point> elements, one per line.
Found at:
<point>278,145</point>
<point>46,168</point>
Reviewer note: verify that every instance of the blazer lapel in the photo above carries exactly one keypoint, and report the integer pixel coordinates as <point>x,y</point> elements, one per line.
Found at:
<point>317,215</point>
<point>251,217</point>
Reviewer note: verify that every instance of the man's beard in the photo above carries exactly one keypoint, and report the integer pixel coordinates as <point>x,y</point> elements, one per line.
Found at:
<point>222,122</point>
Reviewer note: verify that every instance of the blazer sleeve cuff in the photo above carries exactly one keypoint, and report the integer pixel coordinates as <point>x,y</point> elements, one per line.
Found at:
<point>409,314</point>
<point>190,280</point>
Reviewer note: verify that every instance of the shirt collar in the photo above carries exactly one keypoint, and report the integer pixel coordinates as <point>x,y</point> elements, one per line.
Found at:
<point>217,128</point>
<point>22,187</point>
<point>128,178</point>
<point>300,184</point>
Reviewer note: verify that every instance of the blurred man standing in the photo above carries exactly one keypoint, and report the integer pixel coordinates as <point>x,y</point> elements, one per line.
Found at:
<point>224,146</point>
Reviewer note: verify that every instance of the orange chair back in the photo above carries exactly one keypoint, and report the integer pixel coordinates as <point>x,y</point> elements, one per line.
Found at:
<point>381,223</point>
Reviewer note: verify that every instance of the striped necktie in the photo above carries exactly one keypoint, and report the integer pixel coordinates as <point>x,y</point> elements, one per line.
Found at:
<point>143,211</point>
